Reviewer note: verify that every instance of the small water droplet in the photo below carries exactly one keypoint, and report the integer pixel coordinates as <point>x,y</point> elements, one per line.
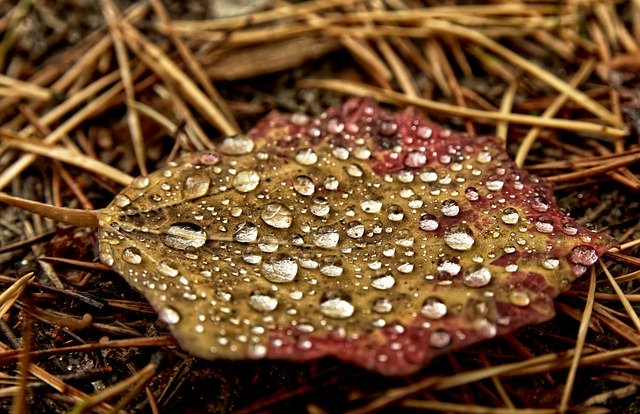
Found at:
<point>340,153</point>
<point>140,182</point>
<point>519,298</point>
<point>395,213</point>
<point>268,244</point>
<point>276,215</point>
<point>169,315</point>
<point>449,265</point>
<point>166,268</point>
<point>383,282</point>
<point>306,156</point>
<point>304,185</point>
<point>459,237</point>
<point>319,206</point>
<point>494,184</point>
<point>510,215</point>
<point>415,159</point>
<point>539,204</point>
<point>372,206</point>
<point>544,224</point>
<point>471,194</point>
<point>336,305</point>
<point>439,338</point>
<point>428,222</point>
<point>362,153</point>
<point>184,235</point>
<point>332,266</point>
<point>262,302</point>
<point>236,145</point>
<point>280,269</point>
<point>484,157</point>
<point>477,277</point>
<point>450,208</point>
<point>245,232</point>
<point>326,237</point>
<point>433,308</point>
<point>331,183</point>
<point>382,305</point>
<point>196,186</point>
<point>246,181</point>
<point>121,200</point>
<point>550,263</point>
<point>583,255</point>
<point>354,170</point>
<point>132,255</point>
<point>428,175</point>
<point>355,229</point>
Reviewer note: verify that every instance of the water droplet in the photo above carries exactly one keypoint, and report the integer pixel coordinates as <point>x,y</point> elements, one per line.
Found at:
<point>336,305</point>
<point>550,263</point>
<point>450,208</point>
<point>331,183</point>
<point>428,222</point>
<point>406,267</point>
<point>268,244</point>
<point>262,302</point>
<point>319,206</point>
<point>539,204</point>
<point>354,170</point>
<point>471,194</point>
<point>304,185</point>
<point>276,215</point>
<point>280,269</point>
<point>196,186</point>
<point>449,265</point>
<point>121,200</point>
<point>584,255</point>
<point>459,237</point>
<point>332,266</point>
<point>519,298</point>
<point>439,338</point>
<point>372,206</point>
<point>510,215</point>
<point>494,184</point>
<point>406,176</point>
<point>362,153</point>
<point>569,228</point>
<point>184,235</point>
<point>165,268</point>
<point>395,213</point>
<point>140,182</point>
<point>236,145</point>
<point>306,156</point>
<point>245,232</point>
<point>132,255</point>
<point>246,181</point>
<point>429,175</point>
<point>326,237</point>
<point>256,351</point>
<point>341,153</point>
<point>382,305</point>
<point>415,159</point>
<point>169,315</point>
<point>477,277</point>
<point>383,282</point>
<point>544,224</point>
<point>433,308</point>
<point>355,229</point>
<point>387,128</point>
<point>484,157</point>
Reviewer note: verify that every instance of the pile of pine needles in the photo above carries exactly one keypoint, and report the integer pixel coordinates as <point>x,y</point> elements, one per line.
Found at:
<point>93,94</point>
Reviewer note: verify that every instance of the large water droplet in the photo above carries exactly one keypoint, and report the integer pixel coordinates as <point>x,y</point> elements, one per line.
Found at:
<point>539,204</point>
<point>132,255</point>
<point>510,215</point>
<point>326,237</point>
<point>184,235</point>
<point>319,206</point>
<point>433,308</point>
<point>169,315</point>
<point>355,229</point>
<point>245,232</point>
<point>236,145</point>
<point>584,255</point>
<point>121,200</point>
<point>140,182</point>
<point>268,244</point>
<point>372,206</point>
<point>332,266</point>
<point>304,185</point>
<point>246,181</point>
<point>262,302</point>
<point>280,269</point>
<point>277,215</point>
<point>383,282</point>
<point>336,305</point>
<point>449,265</point>
<point>195,186</point>
<point>459,237</point>
<point>477,277</point>
<point>450,208</point>
<point>428,222</point>
<point>544,224</point>
<point>306,156</point>
<point>395,213</point>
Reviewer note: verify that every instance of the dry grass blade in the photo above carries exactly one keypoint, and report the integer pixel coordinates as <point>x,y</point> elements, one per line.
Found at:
<point>13,292</point>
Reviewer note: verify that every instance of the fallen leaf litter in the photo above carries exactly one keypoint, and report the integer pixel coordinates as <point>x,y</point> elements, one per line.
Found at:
<point>379,238</point>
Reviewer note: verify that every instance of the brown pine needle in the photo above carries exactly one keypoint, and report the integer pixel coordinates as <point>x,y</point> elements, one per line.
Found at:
<point>74,217</point>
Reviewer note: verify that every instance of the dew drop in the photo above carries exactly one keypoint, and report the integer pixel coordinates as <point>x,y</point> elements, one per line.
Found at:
<point>428,175</point>
<point>326,237</point>
<point>245,232</point>
<point>132,255</point>
<point>395,213</point>
<point>262,302</point>
<point>280,269</point>
<point>372,206</point>
<point>246,181</point>
<point>336,305</point>
<point>166,269</point>
<point>355,229</point>
<point>169,315</point>
<point>510,215</point>
<point>550,263</point>
<point>340,153</point>
<point>319,206</point>
<point>140,182</point>
<point>449,265</point>
<point>304,185</point>
<point>494,184</point>
<point>268,244</point>
<point>459,237</point>
<point>383,282</point>
<point>415,159</point>
<point>184,235</point>
<point>544,224</point>
<point>306,156</point>
<point>539,204</point>
<point>276,215</point>
<point>471,194</point>
<point>428,222</point>
<point>583,255</point>
<point>195,186</point>
<point>450,208</point>
<point>439,338</point>
<point>382,305</point>
<point>236,145</point>
<point>433,308</point>
<point>121,200</point>
<point>354,170</point>
<point>331,183</point>
<point>519,298</point>
<point>477,277</point>
<point>332,266</point>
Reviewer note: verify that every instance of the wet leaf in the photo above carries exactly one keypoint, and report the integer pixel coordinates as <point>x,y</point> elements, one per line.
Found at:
<point>379,238</point>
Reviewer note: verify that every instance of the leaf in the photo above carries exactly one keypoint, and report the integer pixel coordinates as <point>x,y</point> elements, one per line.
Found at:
<point>379,238</point>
